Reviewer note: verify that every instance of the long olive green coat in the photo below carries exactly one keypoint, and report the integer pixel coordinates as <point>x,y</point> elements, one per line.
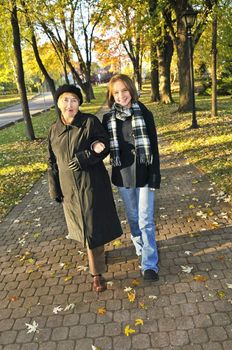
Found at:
<point>88,202</point>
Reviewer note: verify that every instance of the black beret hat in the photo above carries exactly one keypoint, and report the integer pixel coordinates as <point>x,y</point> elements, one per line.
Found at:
<point>69,88</point>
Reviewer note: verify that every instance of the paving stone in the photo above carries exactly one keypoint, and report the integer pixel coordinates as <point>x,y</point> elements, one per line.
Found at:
<point>212,346</point>
<point>8,337</point>
<point>60,333</point>
<point>198,336</point>
<point>30,346</point>
<point>77,332</point>
<point>84,344</point>
<point>140,341</point>
<point>179,338</point>
<point>122,342</point>
<point>186,315</point>
<point>48,346</point>
<point>103,343</point>
<point>217,333</point>
<point>66,345</point>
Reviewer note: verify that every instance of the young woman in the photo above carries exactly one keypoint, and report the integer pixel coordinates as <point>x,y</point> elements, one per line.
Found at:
<point>78,178</point>
<point>135,166</point>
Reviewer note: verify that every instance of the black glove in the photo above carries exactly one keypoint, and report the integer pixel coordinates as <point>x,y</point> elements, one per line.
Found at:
<point>74,164</point>
<point>59,199</point>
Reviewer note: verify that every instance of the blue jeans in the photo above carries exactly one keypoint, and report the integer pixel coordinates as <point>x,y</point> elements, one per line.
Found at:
<point>139,205</point>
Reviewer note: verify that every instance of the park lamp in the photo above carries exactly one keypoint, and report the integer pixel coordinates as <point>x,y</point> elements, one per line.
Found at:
<point>189,17</point>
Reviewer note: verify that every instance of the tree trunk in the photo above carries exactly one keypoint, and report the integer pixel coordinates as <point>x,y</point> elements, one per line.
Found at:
<point>48,79</point>
<point>165,52</point>
<point>183,62</point>
<point>155,96</point>
<point>20,73</point>
<point>214,67</point>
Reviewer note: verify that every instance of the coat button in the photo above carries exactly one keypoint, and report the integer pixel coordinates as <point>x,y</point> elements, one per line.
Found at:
<point>133,151</point>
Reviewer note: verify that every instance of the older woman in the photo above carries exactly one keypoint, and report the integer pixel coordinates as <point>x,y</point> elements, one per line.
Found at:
<point>78,178</point>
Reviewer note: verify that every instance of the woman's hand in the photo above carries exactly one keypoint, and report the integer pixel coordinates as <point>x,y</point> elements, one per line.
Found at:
<point>98,147</point>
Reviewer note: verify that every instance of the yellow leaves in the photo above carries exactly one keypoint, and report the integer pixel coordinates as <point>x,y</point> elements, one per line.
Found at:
<point>31,261</point>
<point>135,282</point>
<point>221,294</point>
<point>131,296</point>
<point>117,243</point>
<point>139,321</point>
<point>191,206</point>
<point>142,305</point>
<point>101,311</point>
<point>200,278</point>
<point>128,330</point>
<point>68,278</point>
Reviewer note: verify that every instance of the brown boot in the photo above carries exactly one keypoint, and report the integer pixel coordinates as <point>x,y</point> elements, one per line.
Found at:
<point>98,283</point>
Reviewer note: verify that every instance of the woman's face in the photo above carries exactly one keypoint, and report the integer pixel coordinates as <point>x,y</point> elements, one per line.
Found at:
<point>68,103</point>
<point>121,94</point>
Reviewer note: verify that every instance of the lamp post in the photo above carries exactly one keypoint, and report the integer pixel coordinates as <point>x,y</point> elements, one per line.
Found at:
<point>189,17</point>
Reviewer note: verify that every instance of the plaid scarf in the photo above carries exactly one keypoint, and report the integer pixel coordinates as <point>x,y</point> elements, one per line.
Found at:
<point>142,142</point>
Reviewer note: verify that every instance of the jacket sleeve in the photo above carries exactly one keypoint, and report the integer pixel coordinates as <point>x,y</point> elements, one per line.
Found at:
<point>154,168</point>
<point>53,174</point>
<point>88,157</point>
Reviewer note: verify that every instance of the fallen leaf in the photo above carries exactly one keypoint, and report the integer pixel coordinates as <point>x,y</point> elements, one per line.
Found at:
<point>142,305</point>
<point>82,268</point>
<point>13,298</point>
<point>128,330</point>
<point>229,285</point>
<point>69,307</point>
<point>57,309</point>
<point>110,283</point>
<point>127,289</point>
<point>95,348</point>
<point>186,269</point>
<point>32,328</point>
<point>139,321</point>
<point>117,243</point>
<point>135,282</point>
<point>68,278</point>
<point>221,294</point>
<point>101,311</point>
<point>131,296</point>
<point>200,278</point>
<point>31,261</point>
<point>154,297</point>
<point>188,252</point>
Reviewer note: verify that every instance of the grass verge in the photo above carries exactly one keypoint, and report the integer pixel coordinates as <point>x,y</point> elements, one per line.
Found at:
<point>209,147</point>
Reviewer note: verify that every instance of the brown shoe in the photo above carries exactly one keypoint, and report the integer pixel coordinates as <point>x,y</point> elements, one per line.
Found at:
<point>98,284</point>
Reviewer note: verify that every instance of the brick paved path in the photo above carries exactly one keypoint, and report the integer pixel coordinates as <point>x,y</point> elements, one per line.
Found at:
<point>41,270</point>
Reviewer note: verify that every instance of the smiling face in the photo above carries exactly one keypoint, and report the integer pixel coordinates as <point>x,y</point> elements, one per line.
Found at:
<point>68,103</point>
<point>121,94</point>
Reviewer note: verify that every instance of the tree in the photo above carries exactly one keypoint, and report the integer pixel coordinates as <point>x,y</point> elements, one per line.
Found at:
<point>20,71</point>
<point>68,25</point>
<point>178,34</point>
<point>214,63</point>
<point>128,21</point>
<point>42,67</point>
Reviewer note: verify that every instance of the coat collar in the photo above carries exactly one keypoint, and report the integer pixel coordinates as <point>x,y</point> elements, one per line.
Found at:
<point>78,121</point>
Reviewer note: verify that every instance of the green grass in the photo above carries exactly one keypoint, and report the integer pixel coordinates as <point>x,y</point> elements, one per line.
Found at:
<point>9,100</point>
<point>22,162</point>
<point>209,148</point>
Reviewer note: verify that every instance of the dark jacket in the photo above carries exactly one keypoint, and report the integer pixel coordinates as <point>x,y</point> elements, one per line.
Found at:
<point>131,173</point>
<point>88,202</point>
